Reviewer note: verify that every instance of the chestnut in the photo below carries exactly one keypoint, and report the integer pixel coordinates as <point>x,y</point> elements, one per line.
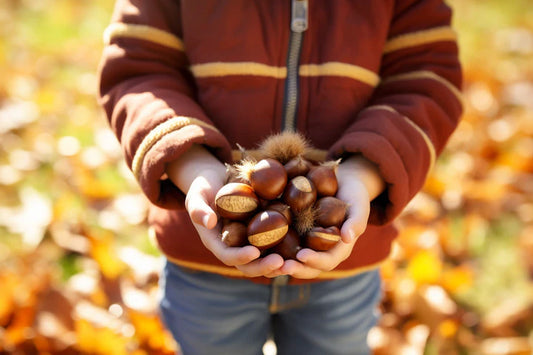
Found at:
<point>236,201</point>
<point>331,211</point>
<point>233,233</point>
<point>282,208</point>
<point>324,178</point>
<point>266,229</point>
<point>322,239</point>
<point>297,166</point>
<point>289,246</point>
<point>268,178</point>
<point>299,194</point>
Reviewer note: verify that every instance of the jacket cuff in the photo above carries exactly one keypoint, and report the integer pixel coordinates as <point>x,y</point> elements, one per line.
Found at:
<point>165,143</point>
<point>402,160</point>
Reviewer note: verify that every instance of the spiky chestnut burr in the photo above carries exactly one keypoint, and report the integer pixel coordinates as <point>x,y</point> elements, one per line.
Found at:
<point>284,146</point>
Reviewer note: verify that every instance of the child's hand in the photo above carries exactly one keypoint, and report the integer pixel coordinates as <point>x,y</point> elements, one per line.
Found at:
<point>312,263</point>
<point>359,183</point>
<point>200,175</point>
<point>200,198</point>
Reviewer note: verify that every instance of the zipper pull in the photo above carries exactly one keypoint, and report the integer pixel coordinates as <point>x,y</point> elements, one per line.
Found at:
<point>299,20</point>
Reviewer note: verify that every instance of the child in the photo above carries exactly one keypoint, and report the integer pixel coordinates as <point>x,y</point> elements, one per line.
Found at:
<point>373,83</point>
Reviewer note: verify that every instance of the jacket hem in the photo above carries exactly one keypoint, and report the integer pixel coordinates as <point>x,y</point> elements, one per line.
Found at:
<point>235,273</point>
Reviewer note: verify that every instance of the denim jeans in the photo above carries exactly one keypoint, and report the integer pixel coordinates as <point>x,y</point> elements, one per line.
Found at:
<point>214,315</point>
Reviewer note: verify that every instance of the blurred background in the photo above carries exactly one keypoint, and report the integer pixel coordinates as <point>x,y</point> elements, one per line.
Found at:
<point>78,274</point>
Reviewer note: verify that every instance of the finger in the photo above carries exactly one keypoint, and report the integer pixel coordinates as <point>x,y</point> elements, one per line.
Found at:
<point>355,224</point>
<point>200,210</point>
<point>299,270</point>
<point>230,256</point>
<point>355,195</point>
<point>325,261</point>
<point>261,267</point>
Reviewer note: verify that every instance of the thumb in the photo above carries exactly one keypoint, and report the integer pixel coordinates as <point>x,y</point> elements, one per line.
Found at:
<point>352,229</point>
<point>207,219</point>
<point>356,222</point>
<point>201,212</point>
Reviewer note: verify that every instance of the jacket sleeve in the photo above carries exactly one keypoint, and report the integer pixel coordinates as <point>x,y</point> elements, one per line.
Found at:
<point>415,107</point>
<point>148,95</point>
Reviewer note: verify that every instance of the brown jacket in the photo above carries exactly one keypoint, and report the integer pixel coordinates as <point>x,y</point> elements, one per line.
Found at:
<point>380,78</point>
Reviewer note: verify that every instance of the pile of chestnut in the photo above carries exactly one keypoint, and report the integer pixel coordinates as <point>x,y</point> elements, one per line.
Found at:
<point>281,208</point>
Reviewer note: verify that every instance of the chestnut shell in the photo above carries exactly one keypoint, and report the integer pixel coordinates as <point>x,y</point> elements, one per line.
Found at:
<point>266,229</point>
<point>268,178</point>
<point>236,201</point>
<point>300,193</point>
<point>233,233</point>
<point>322,239</point>
<point>325,179</point>
<point>289,246</point>
<point>331,211</point>
<point>297,166</point>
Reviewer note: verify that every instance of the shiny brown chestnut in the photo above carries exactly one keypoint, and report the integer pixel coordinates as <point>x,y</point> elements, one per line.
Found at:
<point>322,239</point>
<point>324,178</point>
<point>330,211</point>
<point>236,201</point>
<point>266,229</point>
<point>268,178</point>
<point>299,194</point>
<point>297,166</point>
<point>289,246</point>
<point>282,208</point>
<point>233,233</point>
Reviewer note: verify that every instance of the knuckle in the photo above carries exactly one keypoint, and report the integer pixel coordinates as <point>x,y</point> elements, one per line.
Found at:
<point>228,261</point>
<point>328,267</point>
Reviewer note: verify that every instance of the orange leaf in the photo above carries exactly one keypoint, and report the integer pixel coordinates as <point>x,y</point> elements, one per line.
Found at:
<point>458,279</point>
<point>103,252</point>
<point>448,328</point>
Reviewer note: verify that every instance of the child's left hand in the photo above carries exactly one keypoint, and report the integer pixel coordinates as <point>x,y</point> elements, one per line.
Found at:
<point>312,263</point>
<point>359,183</point>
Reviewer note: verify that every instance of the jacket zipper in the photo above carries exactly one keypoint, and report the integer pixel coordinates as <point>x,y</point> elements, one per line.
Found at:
<point>299,23</point>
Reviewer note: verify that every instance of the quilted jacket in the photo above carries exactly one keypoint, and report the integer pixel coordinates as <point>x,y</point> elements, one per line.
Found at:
<point>379,78</point>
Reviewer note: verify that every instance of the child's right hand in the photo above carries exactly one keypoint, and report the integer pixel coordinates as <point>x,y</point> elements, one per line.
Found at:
<point>200,175</point>
<point>199,202</point>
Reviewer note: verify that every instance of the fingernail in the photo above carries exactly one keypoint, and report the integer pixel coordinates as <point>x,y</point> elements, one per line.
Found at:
<point>302,258</point>
<point>205,220</point>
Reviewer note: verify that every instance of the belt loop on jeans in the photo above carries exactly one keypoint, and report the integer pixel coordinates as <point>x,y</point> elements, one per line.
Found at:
<point>277,282</point>
<point>281,280</point>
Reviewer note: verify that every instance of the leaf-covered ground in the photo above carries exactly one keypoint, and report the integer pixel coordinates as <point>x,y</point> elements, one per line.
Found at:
<point>79,275</point>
